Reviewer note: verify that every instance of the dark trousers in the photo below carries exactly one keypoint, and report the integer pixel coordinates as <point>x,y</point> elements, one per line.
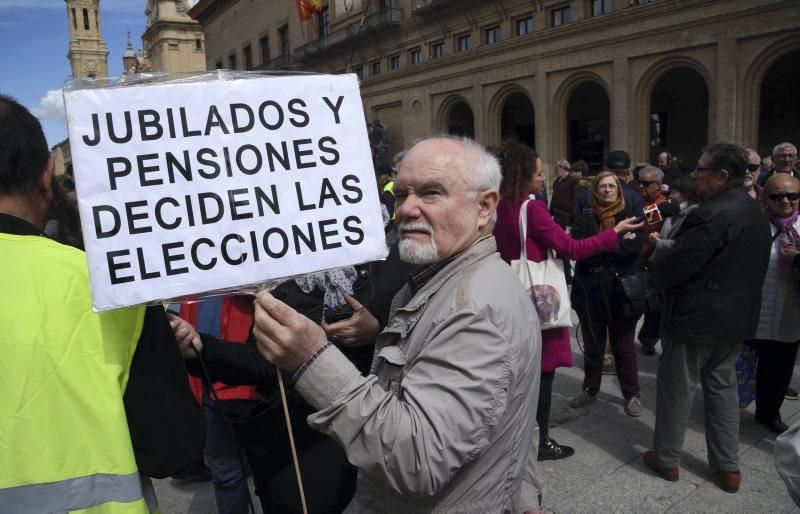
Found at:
<point>648,334</point>
<point>225,462</point>
<point>543,407</point>
<point>774,369</point>
<point>620,333</point>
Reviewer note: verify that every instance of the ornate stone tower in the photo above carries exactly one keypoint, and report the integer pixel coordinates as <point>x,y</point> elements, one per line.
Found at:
<point>172,40</point>
<point>88,53</point>
<point>129,59</point>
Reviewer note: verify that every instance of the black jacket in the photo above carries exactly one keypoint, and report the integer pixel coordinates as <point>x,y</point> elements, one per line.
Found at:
<point>260,427</point>
<point>594,288</point>
<point>713,276</point>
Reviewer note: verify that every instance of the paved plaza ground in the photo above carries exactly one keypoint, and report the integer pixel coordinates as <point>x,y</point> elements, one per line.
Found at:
<point>607,473</point>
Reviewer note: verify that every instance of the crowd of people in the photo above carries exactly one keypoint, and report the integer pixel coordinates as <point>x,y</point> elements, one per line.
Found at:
<point>419,383</point>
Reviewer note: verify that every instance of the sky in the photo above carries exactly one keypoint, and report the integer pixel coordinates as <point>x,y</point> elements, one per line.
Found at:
<point>34,40</point>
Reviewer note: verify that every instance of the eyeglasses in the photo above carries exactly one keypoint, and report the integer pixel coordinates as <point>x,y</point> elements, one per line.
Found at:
<point>786,155</point>
<point>778,197</point>
<point>647,183</point>
<point>753,167</point>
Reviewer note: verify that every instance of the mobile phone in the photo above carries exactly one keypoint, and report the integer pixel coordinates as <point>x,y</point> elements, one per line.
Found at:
<point>339,313</point>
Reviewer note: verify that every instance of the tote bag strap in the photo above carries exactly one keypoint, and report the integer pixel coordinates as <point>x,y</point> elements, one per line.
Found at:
<point>523,230</point>
<point>523,235</point>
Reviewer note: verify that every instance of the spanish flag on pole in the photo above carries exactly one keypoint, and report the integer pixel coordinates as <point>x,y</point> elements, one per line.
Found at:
<point>306,8</point>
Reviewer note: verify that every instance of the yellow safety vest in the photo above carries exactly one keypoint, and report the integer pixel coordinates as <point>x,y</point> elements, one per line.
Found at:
<point>389,188</point>
<point>64,440</point>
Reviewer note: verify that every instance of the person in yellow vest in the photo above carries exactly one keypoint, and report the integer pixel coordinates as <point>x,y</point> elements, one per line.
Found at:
<point>65,442</point>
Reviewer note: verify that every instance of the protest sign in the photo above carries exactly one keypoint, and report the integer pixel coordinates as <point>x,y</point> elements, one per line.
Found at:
<point>190,187</point>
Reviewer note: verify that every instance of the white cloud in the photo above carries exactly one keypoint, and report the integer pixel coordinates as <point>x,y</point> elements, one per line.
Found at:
<point>51,106</point>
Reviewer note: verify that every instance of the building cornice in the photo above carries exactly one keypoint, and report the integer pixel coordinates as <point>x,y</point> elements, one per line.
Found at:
<point>206,11</point>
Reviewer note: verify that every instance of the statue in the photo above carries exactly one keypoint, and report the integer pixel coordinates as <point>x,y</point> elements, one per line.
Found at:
<point>379,143</point>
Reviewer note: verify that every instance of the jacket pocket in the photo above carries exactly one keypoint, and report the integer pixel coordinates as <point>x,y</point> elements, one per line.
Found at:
<point>391,363</point>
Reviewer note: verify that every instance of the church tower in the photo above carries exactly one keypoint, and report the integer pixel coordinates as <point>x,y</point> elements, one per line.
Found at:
<point>173,41</point>
<point>129,59</point>
<point>88,53</point>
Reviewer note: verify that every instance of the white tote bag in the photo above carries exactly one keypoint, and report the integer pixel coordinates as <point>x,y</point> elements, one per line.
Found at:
<point>544,281</point>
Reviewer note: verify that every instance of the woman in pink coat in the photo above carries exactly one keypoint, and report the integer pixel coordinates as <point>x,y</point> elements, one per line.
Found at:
<point>522,176</point>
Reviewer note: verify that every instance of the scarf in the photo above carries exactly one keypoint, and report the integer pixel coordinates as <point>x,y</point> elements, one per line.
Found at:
<point>787,235</point>
<point>607,214</point>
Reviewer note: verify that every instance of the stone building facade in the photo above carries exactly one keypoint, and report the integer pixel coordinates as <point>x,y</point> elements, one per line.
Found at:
<point>173,42</point>
<point>574,78</point>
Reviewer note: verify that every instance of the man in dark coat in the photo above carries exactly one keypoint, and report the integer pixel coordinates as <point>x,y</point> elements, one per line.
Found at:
<point>712,283</point>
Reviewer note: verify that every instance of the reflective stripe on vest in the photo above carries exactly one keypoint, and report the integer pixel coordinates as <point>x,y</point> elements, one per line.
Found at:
<point>64,440</point>
<point>72,494</point>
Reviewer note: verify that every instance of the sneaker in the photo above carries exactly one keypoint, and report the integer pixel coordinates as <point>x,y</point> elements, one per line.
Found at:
<point>609,366</point>
<point>582,399</point>
<point>634,406</point>
<point>551,450</point>
<point>791,394</point>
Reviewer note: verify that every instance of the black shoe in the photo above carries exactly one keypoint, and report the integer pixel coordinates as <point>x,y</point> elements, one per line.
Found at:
<point>551,450</point>
<point>791,394</point>
<point>775,425</point>
<point>648,349</point>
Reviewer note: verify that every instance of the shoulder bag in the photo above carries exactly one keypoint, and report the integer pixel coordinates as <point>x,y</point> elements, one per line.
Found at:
<point>544,281</point>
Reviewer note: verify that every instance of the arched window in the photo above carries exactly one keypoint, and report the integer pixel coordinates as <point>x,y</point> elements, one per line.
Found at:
<point>86,19</point>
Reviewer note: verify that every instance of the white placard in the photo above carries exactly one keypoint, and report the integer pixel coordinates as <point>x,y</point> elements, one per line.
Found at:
<point>185,188</point>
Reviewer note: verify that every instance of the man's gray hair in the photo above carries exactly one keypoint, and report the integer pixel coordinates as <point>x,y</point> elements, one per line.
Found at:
<point>564,164</point>
<point>481,169</point>
<point>753,152</point>
<point>399,156</point>
<point>656,171</point>
<point>781,146</point>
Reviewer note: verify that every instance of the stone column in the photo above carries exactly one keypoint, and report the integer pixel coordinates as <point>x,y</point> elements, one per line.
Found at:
<point>620,110</point>
<point>727,106</point>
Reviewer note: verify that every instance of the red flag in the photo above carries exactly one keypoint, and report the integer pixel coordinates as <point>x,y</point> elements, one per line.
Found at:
<point>306,8</point>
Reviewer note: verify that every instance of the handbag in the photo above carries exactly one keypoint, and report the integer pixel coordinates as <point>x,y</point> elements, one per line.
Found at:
<point>635,295</point>
<point>544,281</point>
<point>746,375</point>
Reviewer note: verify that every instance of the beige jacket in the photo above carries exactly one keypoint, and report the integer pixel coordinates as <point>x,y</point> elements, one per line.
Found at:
<point>445,421</point>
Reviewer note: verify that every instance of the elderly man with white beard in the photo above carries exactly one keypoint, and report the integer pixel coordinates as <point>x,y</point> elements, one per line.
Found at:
<point>445,421</point>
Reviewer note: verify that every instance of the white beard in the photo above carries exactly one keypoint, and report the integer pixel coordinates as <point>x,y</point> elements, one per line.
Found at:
<point>414,252</point>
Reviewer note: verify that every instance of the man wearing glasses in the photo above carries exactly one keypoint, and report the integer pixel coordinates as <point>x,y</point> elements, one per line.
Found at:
<point>752,174</point>
<point>784,160</point>
<point>712,283</point>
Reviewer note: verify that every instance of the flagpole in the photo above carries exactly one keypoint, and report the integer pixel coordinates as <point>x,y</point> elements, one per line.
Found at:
<point>363,18</point>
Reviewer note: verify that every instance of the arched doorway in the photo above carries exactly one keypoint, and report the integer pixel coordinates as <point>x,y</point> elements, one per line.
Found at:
<point>517,121</point>
<point>588,124</point>
<point>679,115</point>
<point>460,120</point>
<point>779,104</point>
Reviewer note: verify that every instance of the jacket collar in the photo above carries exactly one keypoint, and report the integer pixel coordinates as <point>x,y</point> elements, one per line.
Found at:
<point>17,226</point>
<point>482,248</point>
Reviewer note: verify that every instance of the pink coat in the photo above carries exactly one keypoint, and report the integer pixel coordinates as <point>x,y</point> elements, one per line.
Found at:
<point>544,233</point>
